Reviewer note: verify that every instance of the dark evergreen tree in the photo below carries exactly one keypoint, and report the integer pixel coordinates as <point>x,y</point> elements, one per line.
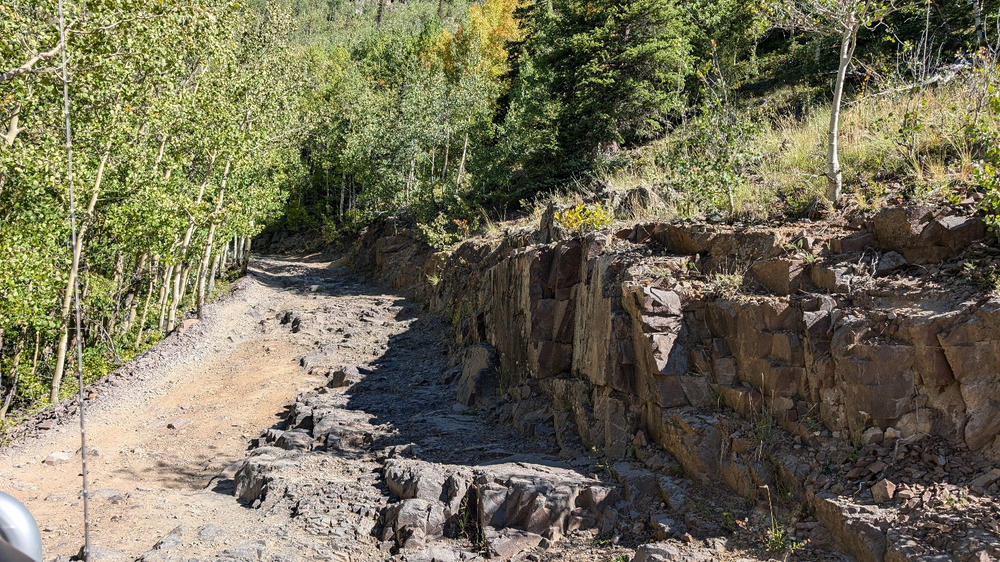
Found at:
<point>616,70</point>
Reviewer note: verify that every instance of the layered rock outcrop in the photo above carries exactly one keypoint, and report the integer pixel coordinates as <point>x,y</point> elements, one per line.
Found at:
<point>650,338</point>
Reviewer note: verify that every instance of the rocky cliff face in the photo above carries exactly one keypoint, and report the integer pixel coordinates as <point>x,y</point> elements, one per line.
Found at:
<point>846,362</point>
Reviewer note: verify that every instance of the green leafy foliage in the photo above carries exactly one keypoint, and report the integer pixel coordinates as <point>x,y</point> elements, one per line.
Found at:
<point>182,117</point>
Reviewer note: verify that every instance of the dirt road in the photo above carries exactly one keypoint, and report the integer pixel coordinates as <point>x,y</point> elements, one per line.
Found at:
<point>190,409</point>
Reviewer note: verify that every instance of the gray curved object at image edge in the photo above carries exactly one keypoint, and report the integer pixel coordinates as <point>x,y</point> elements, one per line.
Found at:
<point>19,529</point>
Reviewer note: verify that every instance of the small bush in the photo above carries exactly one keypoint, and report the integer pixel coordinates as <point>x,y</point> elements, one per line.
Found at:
<point>725,285</point>
<point>441,232</point>
<point>987,179</point>
<point>583,218</point>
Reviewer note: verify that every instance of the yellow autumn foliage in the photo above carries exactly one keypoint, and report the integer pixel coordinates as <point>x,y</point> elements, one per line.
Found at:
<point>481,41</point>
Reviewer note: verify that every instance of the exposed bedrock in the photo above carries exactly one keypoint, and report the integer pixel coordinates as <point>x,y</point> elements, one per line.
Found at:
<point>853,337</point>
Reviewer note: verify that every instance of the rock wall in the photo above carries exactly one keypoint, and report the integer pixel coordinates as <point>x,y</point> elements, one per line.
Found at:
<point>691,338</point>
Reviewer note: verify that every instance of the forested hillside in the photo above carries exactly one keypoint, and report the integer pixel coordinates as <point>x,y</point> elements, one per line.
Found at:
<point>196,125</point>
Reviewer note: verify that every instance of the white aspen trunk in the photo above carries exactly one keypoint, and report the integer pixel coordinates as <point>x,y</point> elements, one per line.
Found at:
<point>225,259</point>
<point>409,180</point>
<point>131,303</point>
<point>326,183</point>
<point>168,275</point>
<point>213,274</point>
<point>116,281</point>
<point>74,270</point>
<point>343,190</point>
<point>34,356</point>
<point>461,164</point>
<point>159,154</point>
<point>175,298</point>
<point>211,239</point>
<point>834,176</point>
<point>447,146</point>
<point>977,15</point>
<point>181,273</point>
<point>199,280</point>
<point>246,254</point>
<point>182,289</point>
<point>15,373</point>
<point>149,295</point>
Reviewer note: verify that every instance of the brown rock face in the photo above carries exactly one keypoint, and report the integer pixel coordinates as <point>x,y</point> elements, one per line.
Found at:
<point>973,352</point>
<point>925,235</point>
<point>614,343</point>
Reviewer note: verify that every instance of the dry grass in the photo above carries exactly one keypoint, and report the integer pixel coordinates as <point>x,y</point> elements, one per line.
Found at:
<point>917,141</point>
<point>909,143</point>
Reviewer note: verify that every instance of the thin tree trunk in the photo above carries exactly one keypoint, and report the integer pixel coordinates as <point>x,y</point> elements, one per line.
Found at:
<point>409,180</point>
<point>977,14</point>
<point>380,13</point>
<point>834,176</point>
<point>199,281</point>
<point>15,373</point>
<point>447,145</point>
<point>181,273</point>
<point>34,356</point>
<point>182,289</point>
<point>213,275</point>
<point>461,165</point>
<point>168,275</point>
<point>159,154</point>
<point>116,282</point>
<point>225,259</point>
<point>149,295</point>
<point>246,254</point>
<point>211,239</point>
<point>343,189</point>
<point>130,301</point>
<point>74,270</point>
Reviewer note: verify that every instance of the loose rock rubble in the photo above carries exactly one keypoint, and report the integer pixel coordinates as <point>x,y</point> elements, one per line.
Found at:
<point>389,456</point>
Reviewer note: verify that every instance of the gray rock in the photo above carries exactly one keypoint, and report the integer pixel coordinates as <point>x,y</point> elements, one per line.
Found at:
<point>250,551</point>
<point>426,516</point>
<point>98,553</point>
<point>179,423</point>
<point>172,540</point>
<point>663,526</point>
<point>671,552</point>
<point>889,262</point>
<point>295,440</point>
<point>110,494</point>
<point>511,542</point>
<point>343,376</point>
<point>59,457</point>
<point>441,553</point>
<point>210,533</point>
<point>479,381</point>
